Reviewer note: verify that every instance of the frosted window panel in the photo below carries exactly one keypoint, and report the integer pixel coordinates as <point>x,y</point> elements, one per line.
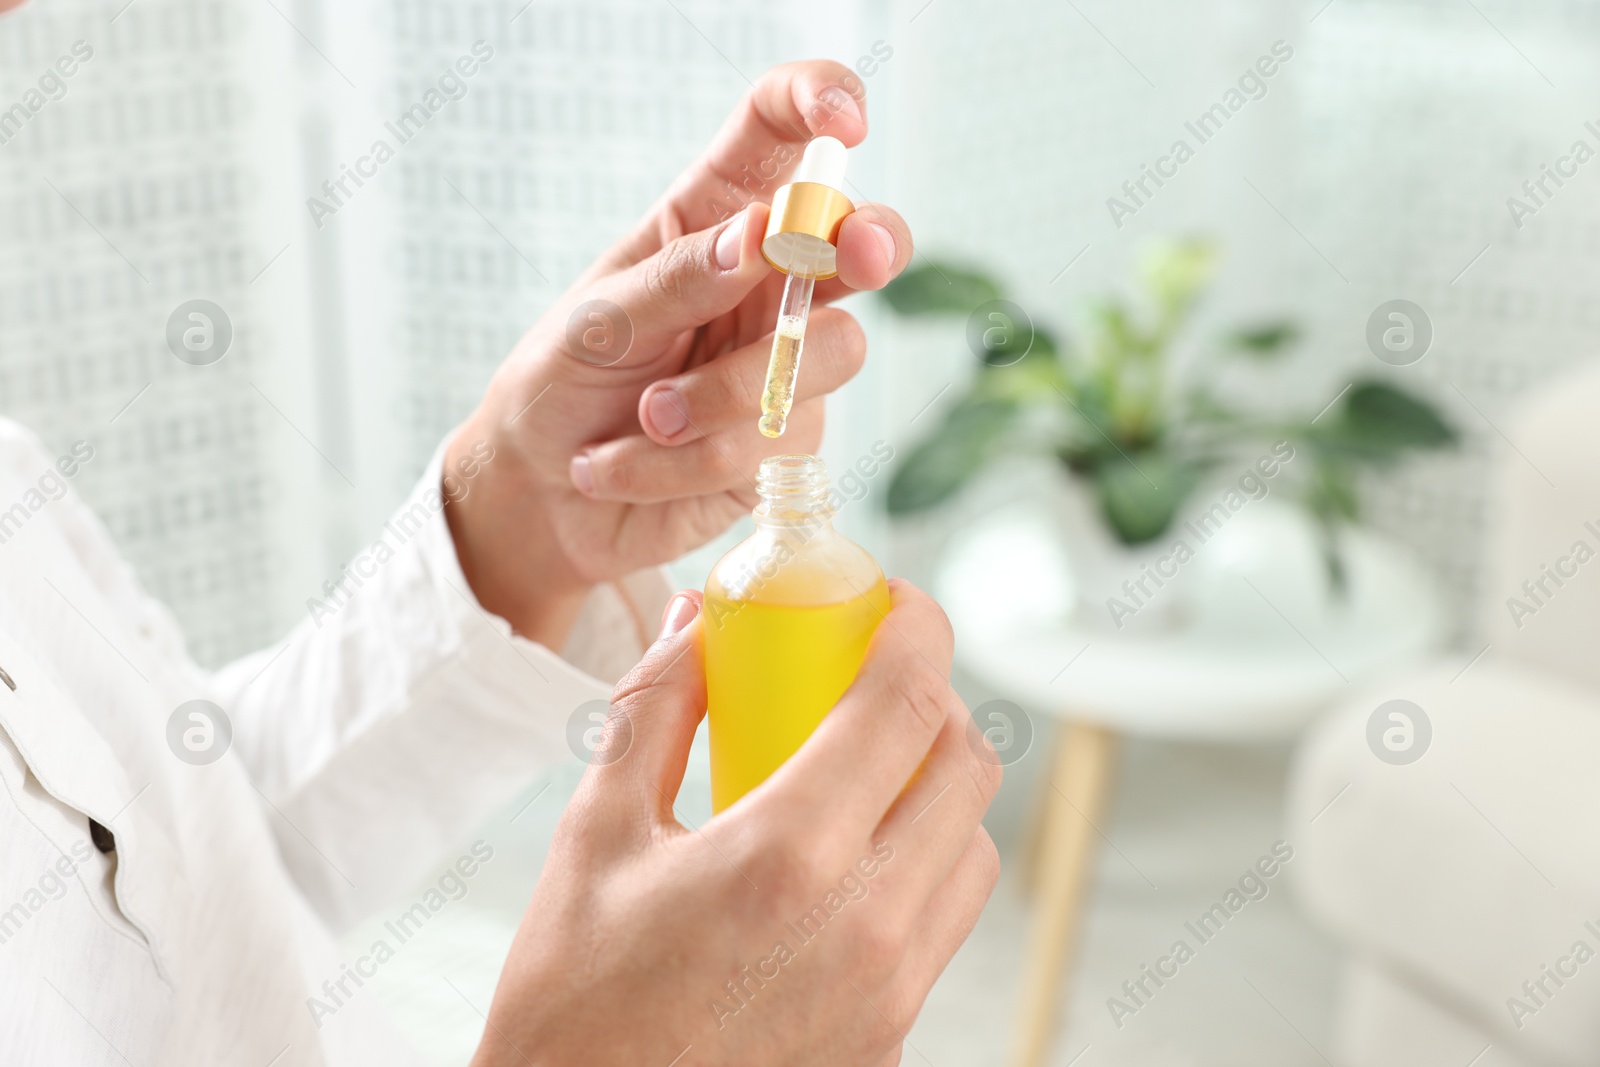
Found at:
<point>1420,122</point>
<point>145,184</point>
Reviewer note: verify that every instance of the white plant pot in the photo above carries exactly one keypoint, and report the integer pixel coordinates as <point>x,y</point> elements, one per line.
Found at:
<point>1057,561</point>
<point>1233,576</point>
<point>1263,568</point>
<point>1117,587</point>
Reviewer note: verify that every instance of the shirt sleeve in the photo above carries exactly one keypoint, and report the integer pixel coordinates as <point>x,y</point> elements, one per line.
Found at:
<point>400,714</point>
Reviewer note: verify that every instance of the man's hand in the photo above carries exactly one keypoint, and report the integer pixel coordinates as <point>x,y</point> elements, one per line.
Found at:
<point>600,470</point>
<point>805,924</point>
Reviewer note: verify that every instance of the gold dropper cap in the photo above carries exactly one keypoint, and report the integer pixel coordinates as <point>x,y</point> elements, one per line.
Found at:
<point>807,213</point>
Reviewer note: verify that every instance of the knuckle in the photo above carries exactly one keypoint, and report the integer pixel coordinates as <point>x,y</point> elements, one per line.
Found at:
<point>990,775</point>
<point>792,870</point>
<point>741,391</point>
<point>922,695</point>
<point>667,274</point>
<point>629,691</point>
<point>588,829</point>
<point>613,473</point>
<point>985,774</point>
<point>977,780</point>
<point>880,945</point>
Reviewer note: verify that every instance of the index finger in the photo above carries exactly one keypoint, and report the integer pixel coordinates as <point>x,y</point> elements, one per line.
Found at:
<point>849,772</point>
<point>760,144</point>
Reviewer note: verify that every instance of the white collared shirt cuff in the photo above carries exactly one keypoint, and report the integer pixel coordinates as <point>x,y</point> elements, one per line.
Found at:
<point>394,725</point>
<point>614,627</point>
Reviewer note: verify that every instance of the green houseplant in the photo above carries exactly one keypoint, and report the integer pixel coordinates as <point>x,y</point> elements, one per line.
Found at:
<point>1113,406</point>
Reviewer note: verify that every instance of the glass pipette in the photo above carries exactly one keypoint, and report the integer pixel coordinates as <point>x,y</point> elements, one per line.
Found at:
<point>788,340</point>
<point>805,221</point>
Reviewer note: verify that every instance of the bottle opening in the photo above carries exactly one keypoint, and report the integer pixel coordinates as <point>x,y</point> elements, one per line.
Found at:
<point>792,488</point>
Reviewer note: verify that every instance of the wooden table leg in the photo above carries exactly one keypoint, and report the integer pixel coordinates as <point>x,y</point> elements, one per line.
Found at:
<point>1080,776</point>
<point>1030,843</point>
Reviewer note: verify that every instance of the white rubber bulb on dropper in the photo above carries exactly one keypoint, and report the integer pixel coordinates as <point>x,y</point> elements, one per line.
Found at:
<point>823,163</point>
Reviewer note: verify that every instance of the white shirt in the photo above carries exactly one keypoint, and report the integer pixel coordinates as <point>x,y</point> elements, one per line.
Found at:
<point>368,744</point>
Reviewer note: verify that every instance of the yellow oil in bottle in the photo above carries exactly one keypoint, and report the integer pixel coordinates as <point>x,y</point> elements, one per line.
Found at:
<point>788,617</point>
<point>772,672</point>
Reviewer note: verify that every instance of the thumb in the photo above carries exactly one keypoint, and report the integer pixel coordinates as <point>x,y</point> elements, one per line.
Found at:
<point>689,282</point>
<point>655,711</point>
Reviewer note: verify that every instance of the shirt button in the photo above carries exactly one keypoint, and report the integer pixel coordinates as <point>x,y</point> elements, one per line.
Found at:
<point>102,838</point>
<point>6,678</point>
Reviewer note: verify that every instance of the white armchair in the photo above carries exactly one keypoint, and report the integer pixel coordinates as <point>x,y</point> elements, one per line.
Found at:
<point>1466,885</point>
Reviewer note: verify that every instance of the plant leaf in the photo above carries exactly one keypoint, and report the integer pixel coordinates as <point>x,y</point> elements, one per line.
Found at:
<point>1040,362</point>
<point>1265,340</point>
<point>1382,410</point>
<point>969,438</point>
<point>1139,503</point>
<point>1377,422</point>
<point>1331,493</point>
<point>939,288</point>
<point>1175,272</point>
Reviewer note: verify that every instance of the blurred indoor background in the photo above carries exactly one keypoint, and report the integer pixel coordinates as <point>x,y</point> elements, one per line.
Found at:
<point>1374,164</point>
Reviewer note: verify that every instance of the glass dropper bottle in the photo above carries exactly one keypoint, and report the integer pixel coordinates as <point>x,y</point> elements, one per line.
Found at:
<point>788,614</point>
<point>800,240</point>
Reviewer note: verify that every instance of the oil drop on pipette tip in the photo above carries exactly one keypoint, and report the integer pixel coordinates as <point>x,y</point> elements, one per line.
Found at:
<point>800,240</point>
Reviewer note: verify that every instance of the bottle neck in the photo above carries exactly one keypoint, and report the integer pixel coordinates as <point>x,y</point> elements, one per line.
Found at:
<point>794,492</point>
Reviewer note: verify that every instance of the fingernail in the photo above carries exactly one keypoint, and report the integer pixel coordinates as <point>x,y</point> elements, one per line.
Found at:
<point>681,610</point>
<point>581,475</point>
<point>886,239</point>
<point>838,100</point>
<point>666,411</point>
<point>728,242</point>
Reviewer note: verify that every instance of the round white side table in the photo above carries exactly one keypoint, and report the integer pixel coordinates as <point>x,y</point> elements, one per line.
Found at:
<point>1248,660</point>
